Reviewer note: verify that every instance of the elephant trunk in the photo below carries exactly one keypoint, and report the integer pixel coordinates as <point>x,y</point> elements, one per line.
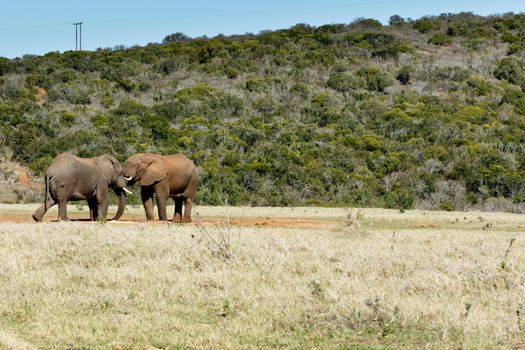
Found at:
<point>121,204</point>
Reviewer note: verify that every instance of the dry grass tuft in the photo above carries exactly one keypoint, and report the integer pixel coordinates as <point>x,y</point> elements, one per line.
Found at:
<point>353,220</point>
<point>218,238</point>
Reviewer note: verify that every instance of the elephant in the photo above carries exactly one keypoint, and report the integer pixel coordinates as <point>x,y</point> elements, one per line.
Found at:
<point>70,178</point>
<point>171,176</point>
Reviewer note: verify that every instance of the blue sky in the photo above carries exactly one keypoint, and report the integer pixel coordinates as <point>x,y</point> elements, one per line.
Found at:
<point>37,27</point>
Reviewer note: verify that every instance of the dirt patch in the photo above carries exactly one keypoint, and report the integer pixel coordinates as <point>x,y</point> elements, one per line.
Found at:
<point>41,93</point>
<point>139,218</point>
<point>16,176</point>
<point>24,179</point>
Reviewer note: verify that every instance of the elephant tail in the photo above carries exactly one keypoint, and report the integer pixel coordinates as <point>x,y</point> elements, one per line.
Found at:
<point>48,201</point>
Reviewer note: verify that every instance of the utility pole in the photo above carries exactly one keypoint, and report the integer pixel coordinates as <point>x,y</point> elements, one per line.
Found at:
<point>77,37</point>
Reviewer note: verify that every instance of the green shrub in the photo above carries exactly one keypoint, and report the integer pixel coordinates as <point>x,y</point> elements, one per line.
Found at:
<point>375,78</point>
<point>231,71</point>
<point>510,38</point>
<point>145,86</point>
<point>256,84</point>
<point>515,48</point>
<point>107,101</point>
<point>344,82</point>
<point>404,74</point>
<point>479,85</point>
<point>473,114</point>
<point>176,38</point>
<point>447,206</point>
<point>425,25</point>
<point>100,121</point>
<point>393,50</point>
<point>68,118</point>
<point>440,39</point>
<point>365,23</point>
<point>300,89</point>
<point>514,95</point>
<point>372,142</point>
<point>456,29</point>
<point>436,152</point>
<point>455,74</point>
<point>511,69</point>
<point>158,126</point>
<point>6,66</point>
<point>401,197</point>
<point>130,107</point>
<point>40,165</point>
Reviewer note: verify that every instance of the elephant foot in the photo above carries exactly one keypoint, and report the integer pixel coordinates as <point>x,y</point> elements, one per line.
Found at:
<point>177,218</point>
<point>39,213</point>
<point>64,219</point>
<point>186,220</point>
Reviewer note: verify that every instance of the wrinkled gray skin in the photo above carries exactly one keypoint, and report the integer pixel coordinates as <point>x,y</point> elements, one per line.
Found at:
<point>70,178</point>
<point>173,176</point>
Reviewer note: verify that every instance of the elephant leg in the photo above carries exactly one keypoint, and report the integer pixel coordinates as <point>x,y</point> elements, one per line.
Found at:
<point>39,213</point>
<point>177,216</point>
<point>102,200</point>
<point>102,206</point>
<point>103,209</point>
<point>161,207</point>
<point>93,210</point>
<point>146,195</point>
<point>62,210</point>
<point>188,204</point>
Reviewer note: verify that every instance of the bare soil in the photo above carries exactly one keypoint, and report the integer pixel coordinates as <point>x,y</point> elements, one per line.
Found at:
<point>273,222</point>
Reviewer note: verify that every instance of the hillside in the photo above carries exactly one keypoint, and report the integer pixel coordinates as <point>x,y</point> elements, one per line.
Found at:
<point>427,113</point>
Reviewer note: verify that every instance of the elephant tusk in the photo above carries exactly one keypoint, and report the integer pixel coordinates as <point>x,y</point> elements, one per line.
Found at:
<point>126,190</point>
<point>128,178</point>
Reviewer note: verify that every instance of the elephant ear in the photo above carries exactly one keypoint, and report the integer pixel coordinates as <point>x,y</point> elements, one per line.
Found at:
<point>105,164</point>
<point>155,172</point>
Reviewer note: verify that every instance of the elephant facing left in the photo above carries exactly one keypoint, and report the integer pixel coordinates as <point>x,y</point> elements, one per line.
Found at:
<point>70,178</point>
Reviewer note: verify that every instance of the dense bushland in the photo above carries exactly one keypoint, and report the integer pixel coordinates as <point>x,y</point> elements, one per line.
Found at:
<point>427,113</point>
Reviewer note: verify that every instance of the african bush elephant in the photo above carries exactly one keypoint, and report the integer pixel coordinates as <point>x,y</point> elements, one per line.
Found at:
<point>70,178</point>
<point>172,176</point>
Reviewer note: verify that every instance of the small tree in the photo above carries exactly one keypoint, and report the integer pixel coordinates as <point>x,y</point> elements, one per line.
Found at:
<point>176,38</point>
<point>361,22</point>
<point>396,20</point>
<point>425,25</point>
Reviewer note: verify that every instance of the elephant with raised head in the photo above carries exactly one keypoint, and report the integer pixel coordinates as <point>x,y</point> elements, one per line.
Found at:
<point>172,176</point>
<point>70,178</point>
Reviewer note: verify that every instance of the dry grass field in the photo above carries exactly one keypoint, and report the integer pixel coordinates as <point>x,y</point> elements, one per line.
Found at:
<point>273,278</point>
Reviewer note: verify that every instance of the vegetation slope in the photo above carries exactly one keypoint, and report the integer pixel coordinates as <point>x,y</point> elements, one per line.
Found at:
<point>427,113</point>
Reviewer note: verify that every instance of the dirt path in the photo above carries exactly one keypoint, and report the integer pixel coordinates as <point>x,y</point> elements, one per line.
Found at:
<point>274,222</point>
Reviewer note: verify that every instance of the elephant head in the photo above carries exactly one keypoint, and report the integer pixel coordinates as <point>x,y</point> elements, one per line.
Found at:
<point>146,168</point>
<point>112,170</point>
